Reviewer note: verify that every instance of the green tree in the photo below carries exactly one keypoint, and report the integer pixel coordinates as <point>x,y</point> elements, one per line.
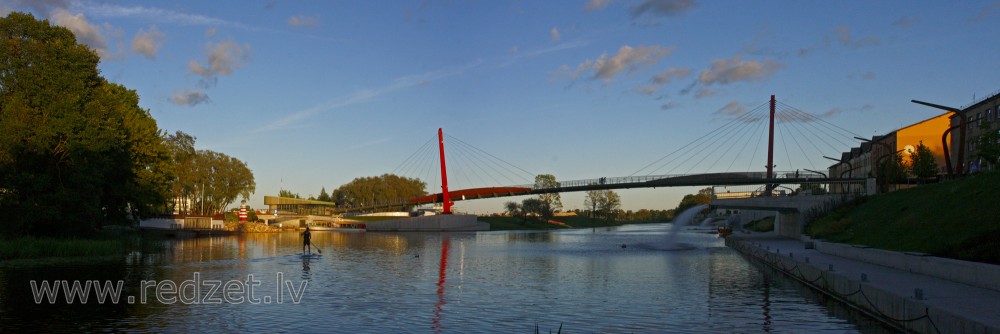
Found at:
<point>922,162</point>
<point>989,147</point>
<point>602,203</point>
<point>610,204</point>
<point>537,207</point>
<point>704,196</point>
<point>513,209</point>
<point>379,190</point>
<point>592,200</point>
<point>553,200</point>
<point>76,151</point>
<point>288,194</point>
<point>891,170</point>
<point>323,195</point>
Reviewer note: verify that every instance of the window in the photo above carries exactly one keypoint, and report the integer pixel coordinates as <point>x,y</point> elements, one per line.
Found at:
<point>989,114</point>
<point>969,123</point>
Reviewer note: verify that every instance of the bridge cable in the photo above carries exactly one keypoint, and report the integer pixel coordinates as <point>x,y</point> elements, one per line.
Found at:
<point>798,143</point>
<point>808,139</point>
<point>698,143</point>
<point>412,158</point>
<point>718,139</point>
<point>493,166</point>
<point>483,152</point>
<point>746,139</point>
<point>801,129</point>
<point>469,162</point>
<point>681,148</point>
<point>738,136</point>
<point>784,142</point>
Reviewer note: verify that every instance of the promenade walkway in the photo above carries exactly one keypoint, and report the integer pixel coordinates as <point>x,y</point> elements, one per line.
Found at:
<point>915,302</point>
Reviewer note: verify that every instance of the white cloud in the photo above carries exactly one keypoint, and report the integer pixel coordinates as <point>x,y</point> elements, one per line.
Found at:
<point>189,98</point>
<point>87,33</point>
<point>302,21</point>
<point>670,74</point>
<point>906,22</point>
<point>554,34</point>
<point>593,5</point>
<point>731,109</point>
<point>628,58</point>
<point>669,105</point>
<point>703,92</point>
<point>843,35</point>
<point>647,89</point>
<point>223,58</point>
<point>986,12</point>
<point>725,71</point>
<point>147,43</point>
<point>662,7</point>
<point>366,95</point>
<point>150,14</point>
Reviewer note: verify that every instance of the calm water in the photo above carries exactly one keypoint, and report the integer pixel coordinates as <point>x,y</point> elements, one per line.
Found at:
<point>442,283</point>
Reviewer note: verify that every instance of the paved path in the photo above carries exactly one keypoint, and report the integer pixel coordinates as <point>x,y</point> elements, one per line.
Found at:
<point>939,295</point>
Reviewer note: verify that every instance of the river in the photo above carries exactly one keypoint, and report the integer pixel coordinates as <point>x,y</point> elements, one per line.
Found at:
<point>489,282</point>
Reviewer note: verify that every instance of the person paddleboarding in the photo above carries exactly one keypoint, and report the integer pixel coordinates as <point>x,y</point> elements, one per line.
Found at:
<point>306,238</point>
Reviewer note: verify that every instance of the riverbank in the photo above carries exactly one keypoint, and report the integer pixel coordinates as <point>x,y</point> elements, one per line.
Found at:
<point>504,223</point>
<point>957,219</point>
<point>34,248</point>
<point>904,299</point>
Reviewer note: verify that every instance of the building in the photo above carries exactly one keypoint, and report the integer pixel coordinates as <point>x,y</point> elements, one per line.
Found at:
<point>863,161</point>
<point>978,118</point>
<point>298,206</point>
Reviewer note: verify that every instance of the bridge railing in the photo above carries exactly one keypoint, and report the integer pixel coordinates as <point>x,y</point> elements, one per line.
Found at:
<point>650,178</point>
<point>788,189</point>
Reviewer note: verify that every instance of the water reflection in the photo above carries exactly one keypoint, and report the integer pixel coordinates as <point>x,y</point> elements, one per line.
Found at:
<point>497,282</point>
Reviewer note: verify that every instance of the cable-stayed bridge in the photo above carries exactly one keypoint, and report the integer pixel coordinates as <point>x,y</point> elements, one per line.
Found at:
<point>699,163</point>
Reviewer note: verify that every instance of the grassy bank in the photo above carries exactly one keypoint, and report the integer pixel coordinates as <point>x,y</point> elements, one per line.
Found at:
<point>33,248</point>
<point>957,219</point>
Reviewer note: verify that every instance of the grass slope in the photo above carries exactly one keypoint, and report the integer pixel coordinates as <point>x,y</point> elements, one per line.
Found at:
<point>957,219</point>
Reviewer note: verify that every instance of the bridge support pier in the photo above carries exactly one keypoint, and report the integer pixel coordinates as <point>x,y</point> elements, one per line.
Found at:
<point>788,224</point>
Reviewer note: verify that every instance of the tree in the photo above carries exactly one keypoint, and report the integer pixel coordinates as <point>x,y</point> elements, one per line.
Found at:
<point>610,204</point>
<point>704,196</point>
<point>181,147</point>
<point>547,181</point>
<point>323,196</point>
<point>379,190</point>
<point>288,194</point>
<point>537,207</point>
<point>76,151</point>
<point>602,203</point>
<point>922,163</point>
<point>891,170</point>
<point>989,147</point>
<point>593,200</point>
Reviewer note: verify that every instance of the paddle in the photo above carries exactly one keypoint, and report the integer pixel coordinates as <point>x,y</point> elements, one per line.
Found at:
<point>317,248</point>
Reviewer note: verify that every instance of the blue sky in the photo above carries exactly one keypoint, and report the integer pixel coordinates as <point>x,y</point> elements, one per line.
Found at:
<point>316,93</point>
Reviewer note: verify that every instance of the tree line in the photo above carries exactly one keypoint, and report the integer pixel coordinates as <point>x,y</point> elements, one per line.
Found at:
<point>76,151</point>
<point>206,182</point>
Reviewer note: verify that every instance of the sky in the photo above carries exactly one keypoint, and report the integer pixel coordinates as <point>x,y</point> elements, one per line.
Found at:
<point>313,94</point>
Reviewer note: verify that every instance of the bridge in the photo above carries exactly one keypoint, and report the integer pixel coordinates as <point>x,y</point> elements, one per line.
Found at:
<point>765,192</point>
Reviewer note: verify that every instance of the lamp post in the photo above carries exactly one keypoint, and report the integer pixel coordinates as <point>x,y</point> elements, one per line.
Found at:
<point>820,173</point>
<point>850,167</point>
<point>944,137</point>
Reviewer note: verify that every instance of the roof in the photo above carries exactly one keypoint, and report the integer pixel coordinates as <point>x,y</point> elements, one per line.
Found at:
<point>276,200</point>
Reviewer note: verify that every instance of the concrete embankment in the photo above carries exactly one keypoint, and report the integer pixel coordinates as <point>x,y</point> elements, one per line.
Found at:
<point>905,299</point>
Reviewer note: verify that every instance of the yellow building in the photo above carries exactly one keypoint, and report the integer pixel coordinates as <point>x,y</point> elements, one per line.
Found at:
<point>906,139</point>
<point>863,161</point>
